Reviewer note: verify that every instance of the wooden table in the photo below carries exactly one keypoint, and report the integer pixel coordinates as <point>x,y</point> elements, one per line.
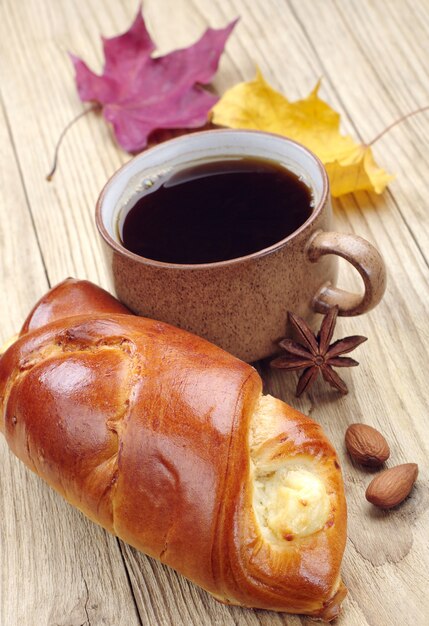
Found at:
<point>56,567</point>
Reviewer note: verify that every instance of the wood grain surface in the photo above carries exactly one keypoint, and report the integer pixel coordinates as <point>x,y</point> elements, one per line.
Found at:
<point>56,567</point>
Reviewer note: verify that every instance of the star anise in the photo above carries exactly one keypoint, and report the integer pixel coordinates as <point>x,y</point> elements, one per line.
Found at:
<point>315,354</point>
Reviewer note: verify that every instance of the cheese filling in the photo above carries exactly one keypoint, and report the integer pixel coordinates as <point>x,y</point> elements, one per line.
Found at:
<point>289,494</point>
<point>290,503</point>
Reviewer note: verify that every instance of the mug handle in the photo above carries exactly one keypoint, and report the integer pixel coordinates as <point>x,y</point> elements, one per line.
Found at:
<point>364,257</point>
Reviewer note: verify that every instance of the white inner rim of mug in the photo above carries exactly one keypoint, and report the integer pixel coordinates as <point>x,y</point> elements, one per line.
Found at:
<point>150,169</point>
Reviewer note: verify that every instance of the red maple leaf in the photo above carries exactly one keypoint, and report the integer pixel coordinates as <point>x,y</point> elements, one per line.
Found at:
<point>139,93</point>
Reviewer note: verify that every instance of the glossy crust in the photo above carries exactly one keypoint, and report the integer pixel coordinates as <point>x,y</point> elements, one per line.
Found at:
<point>145,428</point>
<point>71,297</point>
<point>303,575</point>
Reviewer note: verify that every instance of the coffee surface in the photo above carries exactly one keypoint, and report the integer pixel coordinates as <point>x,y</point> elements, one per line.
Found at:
<point>217,211</point>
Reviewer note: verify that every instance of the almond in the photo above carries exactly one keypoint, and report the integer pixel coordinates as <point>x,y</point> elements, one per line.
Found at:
<point>392,486</point>
<point>366,445</point>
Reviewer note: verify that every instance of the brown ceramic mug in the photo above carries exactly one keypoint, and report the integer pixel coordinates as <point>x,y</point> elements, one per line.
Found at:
<point>240,304</point>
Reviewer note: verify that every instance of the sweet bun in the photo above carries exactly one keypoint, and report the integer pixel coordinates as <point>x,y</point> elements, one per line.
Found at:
<point>167,441</point>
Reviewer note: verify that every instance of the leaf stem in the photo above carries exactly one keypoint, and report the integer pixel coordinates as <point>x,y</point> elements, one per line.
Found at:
<point>398,121</point>
<point>93,107</point>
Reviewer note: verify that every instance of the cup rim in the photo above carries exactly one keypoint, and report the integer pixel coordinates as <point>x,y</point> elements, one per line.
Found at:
<point>116,246</point>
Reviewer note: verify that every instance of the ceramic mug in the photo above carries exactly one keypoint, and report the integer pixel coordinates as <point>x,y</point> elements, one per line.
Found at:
<point>239,304</point>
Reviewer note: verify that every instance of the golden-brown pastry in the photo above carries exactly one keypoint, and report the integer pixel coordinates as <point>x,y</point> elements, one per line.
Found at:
<point>167,441</point>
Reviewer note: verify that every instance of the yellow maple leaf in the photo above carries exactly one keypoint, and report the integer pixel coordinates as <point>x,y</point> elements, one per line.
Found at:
<point>312,122</point>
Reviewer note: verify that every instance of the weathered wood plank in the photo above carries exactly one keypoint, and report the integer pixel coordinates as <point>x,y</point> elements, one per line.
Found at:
<point>41,99</point>
<point>20,258</point>
<point>374,57</point>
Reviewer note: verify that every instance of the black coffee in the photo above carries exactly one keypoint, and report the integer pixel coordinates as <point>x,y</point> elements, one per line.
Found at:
<point>217,211</point>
